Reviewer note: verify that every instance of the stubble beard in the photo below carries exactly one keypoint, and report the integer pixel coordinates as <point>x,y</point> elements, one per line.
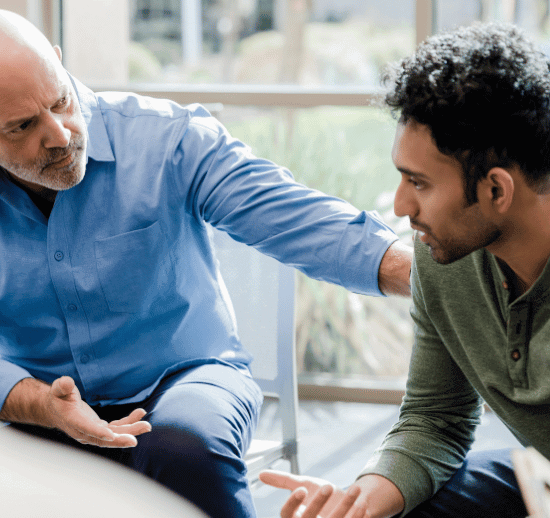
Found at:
<point>56,179</point>
<point>449,252</point>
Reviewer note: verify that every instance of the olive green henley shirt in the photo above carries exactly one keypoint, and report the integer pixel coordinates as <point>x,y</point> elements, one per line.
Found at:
<point>473,343</point>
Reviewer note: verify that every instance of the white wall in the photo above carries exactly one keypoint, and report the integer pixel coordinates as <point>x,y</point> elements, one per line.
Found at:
<point>96,38</point>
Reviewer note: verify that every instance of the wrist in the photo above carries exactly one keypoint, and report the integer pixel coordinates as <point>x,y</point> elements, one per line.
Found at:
<point>395,270</point>
<point>383,498</point>
<point>27,403</point>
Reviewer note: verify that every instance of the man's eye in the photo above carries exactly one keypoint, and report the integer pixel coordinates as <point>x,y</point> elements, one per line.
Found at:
<point>22,127</point>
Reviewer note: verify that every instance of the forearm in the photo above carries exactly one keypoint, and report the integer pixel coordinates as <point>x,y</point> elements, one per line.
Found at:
<point>395,269</point>
<point>383,498</point>
<point>26,403</point>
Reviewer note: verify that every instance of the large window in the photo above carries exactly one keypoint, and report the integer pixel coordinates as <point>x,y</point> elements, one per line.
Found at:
<point>305,42</point>
<point>532,15</point>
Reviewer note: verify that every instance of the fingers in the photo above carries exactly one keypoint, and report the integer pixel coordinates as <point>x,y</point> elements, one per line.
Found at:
<point>279,479</point>
<point>294,506</point>
<point>131,429</point>
<point>294,502</point>
<point>63,387</point>
<point>318,501</point>
<point>131,424</point>
<point>118,440</point>
<point>284,480</point>
<point>136,415</point>
<point>347,503</point>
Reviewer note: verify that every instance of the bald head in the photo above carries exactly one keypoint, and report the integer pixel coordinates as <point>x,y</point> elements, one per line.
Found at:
<point>20,39</point>
<point>27,58</point>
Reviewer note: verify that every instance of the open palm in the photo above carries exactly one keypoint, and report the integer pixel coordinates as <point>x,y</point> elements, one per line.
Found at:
<point>319,497</point>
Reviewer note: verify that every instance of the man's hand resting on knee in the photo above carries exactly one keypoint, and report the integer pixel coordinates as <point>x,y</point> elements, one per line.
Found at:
<point>60,406</point>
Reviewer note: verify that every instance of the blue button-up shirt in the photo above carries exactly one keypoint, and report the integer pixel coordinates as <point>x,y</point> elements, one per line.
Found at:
<point>120,287</point>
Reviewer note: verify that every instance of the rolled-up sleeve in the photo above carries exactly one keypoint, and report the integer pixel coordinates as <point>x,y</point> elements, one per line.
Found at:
<point>362,247</point>
<point>10,375</point>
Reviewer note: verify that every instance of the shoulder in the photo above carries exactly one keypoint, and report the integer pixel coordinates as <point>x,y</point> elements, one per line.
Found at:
<point>127,104</point>
<point>132,105</point>
<point>125,108</point>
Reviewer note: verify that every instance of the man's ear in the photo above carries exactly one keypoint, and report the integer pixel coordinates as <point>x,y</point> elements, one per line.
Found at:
<point>57,50</point>
<point>495,192</point>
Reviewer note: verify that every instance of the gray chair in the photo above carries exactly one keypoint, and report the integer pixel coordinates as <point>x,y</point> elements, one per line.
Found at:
<point>262,292</point>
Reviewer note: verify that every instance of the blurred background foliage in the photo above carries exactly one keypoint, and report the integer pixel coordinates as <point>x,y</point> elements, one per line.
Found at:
<point>351,52</point>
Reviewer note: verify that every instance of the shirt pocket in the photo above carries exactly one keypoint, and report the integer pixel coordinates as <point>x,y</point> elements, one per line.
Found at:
<point>132,267</point>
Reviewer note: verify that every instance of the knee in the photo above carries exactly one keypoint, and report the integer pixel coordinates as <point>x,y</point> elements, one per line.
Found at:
<point>168,446</point>
<point>211,415</point>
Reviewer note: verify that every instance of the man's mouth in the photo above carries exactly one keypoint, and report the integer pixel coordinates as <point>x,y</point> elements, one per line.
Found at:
<point>62,162</point>
<point>422,234</point>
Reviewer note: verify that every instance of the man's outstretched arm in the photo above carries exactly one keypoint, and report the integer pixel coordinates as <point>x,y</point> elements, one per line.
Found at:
<point>60,406</point>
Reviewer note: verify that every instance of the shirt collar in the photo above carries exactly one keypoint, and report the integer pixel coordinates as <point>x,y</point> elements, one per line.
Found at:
<point>536,291</point>
<point>99,146</point>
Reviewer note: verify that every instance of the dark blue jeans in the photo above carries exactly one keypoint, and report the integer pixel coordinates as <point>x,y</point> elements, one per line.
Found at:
<point>485,487</point>
<point>203,419</point>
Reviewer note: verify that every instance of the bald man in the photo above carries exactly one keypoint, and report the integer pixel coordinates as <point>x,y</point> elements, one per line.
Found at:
<point>114,323</point>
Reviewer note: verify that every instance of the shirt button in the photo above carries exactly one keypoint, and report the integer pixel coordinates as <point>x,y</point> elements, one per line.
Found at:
<point>516,355</point>
<point>84,358</point>
<point>505,285</point>
<point>72,307</point>
<point>58,256</point>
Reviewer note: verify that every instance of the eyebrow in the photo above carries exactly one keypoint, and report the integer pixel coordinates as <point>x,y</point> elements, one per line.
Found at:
<point>408,172</point>
<point>17,122</point>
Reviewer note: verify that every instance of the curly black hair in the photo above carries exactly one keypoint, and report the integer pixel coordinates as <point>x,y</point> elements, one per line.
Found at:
<point>484,92</point>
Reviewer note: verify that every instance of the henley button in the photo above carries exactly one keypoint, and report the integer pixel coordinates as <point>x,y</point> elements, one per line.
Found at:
<point>72,307</point>
<point>58,256</point>
<point>516,355</point>
<point>84,358</point>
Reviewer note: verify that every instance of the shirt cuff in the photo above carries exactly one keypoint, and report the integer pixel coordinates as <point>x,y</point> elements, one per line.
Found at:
<point>10,375</point>
<point>360,252</point>
<point>410,478</point>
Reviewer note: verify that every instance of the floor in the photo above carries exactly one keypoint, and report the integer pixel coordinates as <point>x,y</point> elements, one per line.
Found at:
<point>337,438</point>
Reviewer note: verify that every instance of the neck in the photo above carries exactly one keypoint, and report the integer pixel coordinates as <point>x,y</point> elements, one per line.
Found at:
<point>34,189</point>
<point>42,197</point>
<point>524,247</point>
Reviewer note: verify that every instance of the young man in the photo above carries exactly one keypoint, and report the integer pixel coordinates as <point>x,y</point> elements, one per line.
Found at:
<point>111,301</point>
<point>473,150</point>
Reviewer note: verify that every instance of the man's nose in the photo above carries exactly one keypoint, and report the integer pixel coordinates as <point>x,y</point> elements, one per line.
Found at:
<point>56,134</point>
<point>404,203</point>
